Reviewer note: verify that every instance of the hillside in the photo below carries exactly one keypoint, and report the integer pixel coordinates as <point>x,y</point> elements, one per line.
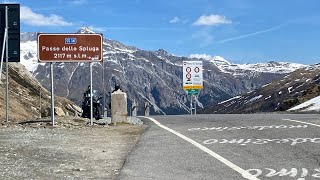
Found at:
<point>294,89</point>
<point>24,96</point>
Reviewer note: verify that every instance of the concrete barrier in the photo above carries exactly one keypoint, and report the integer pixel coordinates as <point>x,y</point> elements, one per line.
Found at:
<point>134,108</point>
<point>119,112</point>
<point>147,109</point>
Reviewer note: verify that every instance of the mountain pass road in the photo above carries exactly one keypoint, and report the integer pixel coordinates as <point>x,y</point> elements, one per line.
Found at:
<point>227,147</point>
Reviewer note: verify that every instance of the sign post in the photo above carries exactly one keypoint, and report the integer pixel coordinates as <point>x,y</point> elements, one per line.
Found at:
<point>10,25</point>
<point>70,48</point>
<point>192,81</point>
<point>52,94</point>
<point>91,103</point>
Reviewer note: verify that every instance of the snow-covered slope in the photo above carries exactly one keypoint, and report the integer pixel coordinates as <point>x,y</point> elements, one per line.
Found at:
<point>28,55</point>
<point>311,105</point>
<point>249,69</point>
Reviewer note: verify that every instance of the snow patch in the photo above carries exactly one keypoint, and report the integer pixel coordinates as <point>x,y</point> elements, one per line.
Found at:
<point>28,55</point>
<point>236,97</point>
<point>255,98</point>
<point>267,97</point>
<point>311,105</point>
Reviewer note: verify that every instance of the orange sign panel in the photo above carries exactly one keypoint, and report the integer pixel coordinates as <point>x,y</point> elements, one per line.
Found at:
<point>70,47</point>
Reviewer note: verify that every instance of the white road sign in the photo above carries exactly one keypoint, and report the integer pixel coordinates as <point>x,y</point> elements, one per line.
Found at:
<point>192,75</point>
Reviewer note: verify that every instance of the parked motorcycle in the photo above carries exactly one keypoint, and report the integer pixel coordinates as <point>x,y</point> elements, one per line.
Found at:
<point>96,97</point>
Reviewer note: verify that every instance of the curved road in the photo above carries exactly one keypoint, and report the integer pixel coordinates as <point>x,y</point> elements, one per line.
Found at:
<point>227,147</point>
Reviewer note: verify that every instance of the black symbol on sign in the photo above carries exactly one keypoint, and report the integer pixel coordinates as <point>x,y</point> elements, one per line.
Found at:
<point>188,75</point>
<point>196,69</point>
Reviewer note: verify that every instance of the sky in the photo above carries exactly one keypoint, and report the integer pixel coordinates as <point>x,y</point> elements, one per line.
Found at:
<point>241,31</point>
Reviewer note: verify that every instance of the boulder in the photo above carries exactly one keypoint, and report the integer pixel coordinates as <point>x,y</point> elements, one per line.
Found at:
<point>59,112</point>
<point>77,111</point>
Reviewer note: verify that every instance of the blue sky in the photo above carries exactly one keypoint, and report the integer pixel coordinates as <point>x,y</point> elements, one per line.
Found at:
<point>241,31</point>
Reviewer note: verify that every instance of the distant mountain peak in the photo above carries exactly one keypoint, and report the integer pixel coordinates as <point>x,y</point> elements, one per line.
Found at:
<point>85,30</point>
<point>213,59</point>
<point>220,60</point>
<point>162,52</point>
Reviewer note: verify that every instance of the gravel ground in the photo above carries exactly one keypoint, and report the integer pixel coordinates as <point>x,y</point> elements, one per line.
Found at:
<point>70,150</point>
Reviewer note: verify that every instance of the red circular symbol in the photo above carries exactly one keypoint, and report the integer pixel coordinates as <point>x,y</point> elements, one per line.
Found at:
<point>188,76</point>
<point>188,69</point>
<point>196,69</point>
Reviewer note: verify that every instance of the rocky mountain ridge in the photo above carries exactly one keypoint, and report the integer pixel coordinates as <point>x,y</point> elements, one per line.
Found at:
<point>147,76</point>
<point>280,95</point>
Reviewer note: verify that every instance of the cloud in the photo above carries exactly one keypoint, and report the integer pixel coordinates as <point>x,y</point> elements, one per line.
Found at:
<point>211,20</point>
<point>29,17</point>
<point>201,56</point>
<point>252,34</point>
<point>175,20</point>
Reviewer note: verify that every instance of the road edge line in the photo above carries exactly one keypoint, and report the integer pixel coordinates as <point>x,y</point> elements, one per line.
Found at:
<point>243,172</point>
<point>292,120</point>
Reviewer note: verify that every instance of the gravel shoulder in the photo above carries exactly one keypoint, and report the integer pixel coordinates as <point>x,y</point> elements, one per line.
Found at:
<point>70,150</point>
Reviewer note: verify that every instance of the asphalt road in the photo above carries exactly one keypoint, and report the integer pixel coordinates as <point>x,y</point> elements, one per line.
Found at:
<point>227,147</point>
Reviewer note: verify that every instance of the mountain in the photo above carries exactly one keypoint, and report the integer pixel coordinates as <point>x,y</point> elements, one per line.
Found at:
<point>245,69</point>
<point>24,96</point>
<point>280,95</point>
<point>150,76</point>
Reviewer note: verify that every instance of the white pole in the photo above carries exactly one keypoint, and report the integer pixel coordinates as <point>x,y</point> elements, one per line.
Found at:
<point>91,103</point>
<point>7,69</point>
<point>40,102</point>
<point>104,94</point>
<point>52,94</point>
<point>195,104</point>
<point>191,104</point>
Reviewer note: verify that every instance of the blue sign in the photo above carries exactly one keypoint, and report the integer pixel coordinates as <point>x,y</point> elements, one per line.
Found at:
<point>70,40</point>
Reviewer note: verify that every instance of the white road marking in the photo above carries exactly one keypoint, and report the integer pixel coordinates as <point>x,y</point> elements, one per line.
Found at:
<point>243,172</point>
<point>259,128</point>
<point>301,122</point>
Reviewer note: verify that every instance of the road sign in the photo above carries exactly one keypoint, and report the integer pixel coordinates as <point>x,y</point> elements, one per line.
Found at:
<point>70,47</point>
<point>193,92</point>
<point>13,30</point>
<point>192,75</point>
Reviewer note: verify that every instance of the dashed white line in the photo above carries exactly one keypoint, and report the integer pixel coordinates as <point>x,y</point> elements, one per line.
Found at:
<point>243,172</point>
<point>301,122</point>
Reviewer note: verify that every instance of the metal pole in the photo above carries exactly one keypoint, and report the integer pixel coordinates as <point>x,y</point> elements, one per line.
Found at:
<point>52,94</point>
<point>40,102</point>
<point>191,105</point>
<point>91,104</point>
<point>195,105</point>
<point>7,69</point>
<point>104,94</point>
